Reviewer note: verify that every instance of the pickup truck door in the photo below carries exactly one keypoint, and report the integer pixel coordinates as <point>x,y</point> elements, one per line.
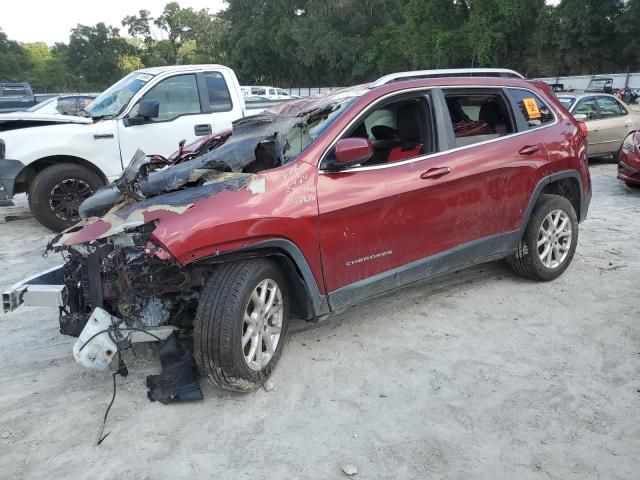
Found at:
<point>192,105</point>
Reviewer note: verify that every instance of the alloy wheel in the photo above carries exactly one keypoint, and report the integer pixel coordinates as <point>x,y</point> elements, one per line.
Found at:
<point>262,324</point>
<point>66,196</point>
<point>554,239</point>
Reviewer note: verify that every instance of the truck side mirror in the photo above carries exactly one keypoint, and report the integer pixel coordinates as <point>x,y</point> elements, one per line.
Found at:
<point>149,109</point>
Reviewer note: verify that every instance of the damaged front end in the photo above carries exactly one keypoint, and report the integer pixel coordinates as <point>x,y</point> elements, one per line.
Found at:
<point>129,277</point>
<point>119,284</point>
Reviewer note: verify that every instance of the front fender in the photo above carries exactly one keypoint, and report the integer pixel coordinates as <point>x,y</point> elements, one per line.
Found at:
<point>96,143</point>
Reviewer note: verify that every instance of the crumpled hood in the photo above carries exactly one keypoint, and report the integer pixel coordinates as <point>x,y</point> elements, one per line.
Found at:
<point>131,215</point>
<point>258,143</point>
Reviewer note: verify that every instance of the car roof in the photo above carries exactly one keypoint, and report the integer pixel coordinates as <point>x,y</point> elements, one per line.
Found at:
<point>585,94</point>
<point>368,92</point>
<point>181,68</point>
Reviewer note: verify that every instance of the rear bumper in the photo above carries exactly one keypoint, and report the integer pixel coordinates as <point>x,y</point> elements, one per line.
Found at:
<point>43,289</point>
<point>9,170</point>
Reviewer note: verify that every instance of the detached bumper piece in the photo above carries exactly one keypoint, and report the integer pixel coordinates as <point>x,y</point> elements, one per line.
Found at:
<point>178,380</point>
<point>44,289</point>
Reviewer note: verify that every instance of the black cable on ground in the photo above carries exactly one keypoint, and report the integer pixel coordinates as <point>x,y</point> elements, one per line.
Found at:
<point>123,372</point>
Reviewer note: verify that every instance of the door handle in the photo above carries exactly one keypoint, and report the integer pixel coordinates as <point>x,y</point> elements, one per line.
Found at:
<point>529,150</point>
<point>203,129</point>
<point>435,172</point>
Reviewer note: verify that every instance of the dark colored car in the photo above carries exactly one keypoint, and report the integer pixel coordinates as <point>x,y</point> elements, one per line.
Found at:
<point>629,160</point>
<point>15,97</point>
<point>319,204</point>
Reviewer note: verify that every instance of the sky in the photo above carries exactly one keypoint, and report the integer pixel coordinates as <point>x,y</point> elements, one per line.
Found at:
<point>51,20</point>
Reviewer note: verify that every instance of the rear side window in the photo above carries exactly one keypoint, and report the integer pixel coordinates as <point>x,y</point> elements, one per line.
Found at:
<point>478,116</point>
<point>536,113</point>
<point>13,92</point>
<point>219,97</point>
<point>610,108</point>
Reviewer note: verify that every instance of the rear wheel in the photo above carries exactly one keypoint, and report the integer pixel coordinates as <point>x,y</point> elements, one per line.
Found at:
<point>55,194</point>
<point>241,324</point>
<point>549,241</point>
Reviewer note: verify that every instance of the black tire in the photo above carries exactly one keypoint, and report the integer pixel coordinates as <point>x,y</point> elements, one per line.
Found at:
<point>55,194</point>
<point>219,325</point>
<point>526,261</point>
<point>632,185</point>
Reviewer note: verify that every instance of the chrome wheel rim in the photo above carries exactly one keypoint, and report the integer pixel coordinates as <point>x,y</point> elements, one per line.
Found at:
<point>554,239</point>
<point>66,196</point>
<point>262,324</point>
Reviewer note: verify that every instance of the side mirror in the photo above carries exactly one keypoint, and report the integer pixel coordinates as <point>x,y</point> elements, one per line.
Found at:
<point>149,109</point>
<point>581,117</point>
<point>351,151</point>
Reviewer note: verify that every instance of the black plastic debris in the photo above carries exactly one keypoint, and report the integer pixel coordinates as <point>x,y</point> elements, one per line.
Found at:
<point>178,381</point>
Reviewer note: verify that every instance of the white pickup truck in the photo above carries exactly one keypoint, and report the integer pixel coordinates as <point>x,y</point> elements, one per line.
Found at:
<point>60,162</point>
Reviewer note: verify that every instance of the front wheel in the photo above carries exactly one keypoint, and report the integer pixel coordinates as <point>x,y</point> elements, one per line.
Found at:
<point>549,241</point>
<point>241,324</point>
<point>55,194</point>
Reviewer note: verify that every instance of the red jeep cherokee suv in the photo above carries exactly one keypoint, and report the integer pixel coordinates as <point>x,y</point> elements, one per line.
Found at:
<point>316,205</point>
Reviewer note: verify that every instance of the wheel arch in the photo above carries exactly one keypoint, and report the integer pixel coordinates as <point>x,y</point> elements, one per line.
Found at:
<point>28,173</point>
<point>567,184</point>
<point>307,301</point>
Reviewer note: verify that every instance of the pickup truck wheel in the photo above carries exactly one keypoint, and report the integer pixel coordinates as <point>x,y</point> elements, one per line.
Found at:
<point>241,324</point>
<point>549,240</point>
<point>55,194</point>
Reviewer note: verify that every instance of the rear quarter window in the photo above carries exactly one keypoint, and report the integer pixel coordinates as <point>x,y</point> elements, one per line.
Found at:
<point>536,113</point>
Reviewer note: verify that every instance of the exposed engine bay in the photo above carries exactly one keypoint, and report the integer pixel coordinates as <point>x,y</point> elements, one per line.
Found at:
<point>132,279</point>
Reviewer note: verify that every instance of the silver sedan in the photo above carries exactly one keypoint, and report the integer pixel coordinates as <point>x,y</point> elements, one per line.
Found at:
<point>609,120</point>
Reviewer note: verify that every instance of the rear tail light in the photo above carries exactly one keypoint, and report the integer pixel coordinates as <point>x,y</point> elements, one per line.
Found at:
<point>584,130</point>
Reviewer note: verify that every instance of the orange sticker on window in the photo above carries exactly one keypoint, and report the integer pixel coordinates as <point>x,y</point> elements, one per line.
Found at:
<point>531,106</point>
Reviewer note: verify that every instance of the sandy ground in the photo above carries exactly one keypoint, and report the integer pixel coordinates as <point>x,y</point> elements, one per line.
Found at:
<point>477,375</point>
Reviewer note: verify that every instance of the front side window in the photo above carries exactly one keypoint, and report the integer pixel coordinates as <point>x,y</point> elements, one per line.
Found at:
<point>398,130</point>
<point>219,97</point>
<point>610,108</point>
<point>282,92</point>
<point>536,113</point>
<point>177,96</point>
<point>587,106</point>
<point>478,116</point>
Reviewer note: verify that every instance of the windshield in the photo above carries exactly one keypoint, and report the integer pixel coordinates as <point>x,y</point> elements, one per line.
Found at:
<point>304,133</point>
<point>113,101</point>
<point>567,102</point>
<point>43,106</point>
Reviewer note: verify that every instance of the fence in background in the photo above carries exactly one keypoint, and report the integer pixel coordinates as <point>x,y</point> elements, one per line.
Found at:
<point>580,82</point>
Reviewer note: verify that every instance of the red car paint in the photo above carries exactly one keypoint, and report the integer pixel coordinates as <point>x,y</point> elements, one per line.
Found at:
<point>390,216</point>
<point>360,225</point>
<point>629,159</point>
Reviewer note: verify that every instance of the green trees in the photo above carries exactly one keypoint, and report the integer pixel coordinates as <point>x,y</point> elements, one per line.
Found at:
<point>341,42</point>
